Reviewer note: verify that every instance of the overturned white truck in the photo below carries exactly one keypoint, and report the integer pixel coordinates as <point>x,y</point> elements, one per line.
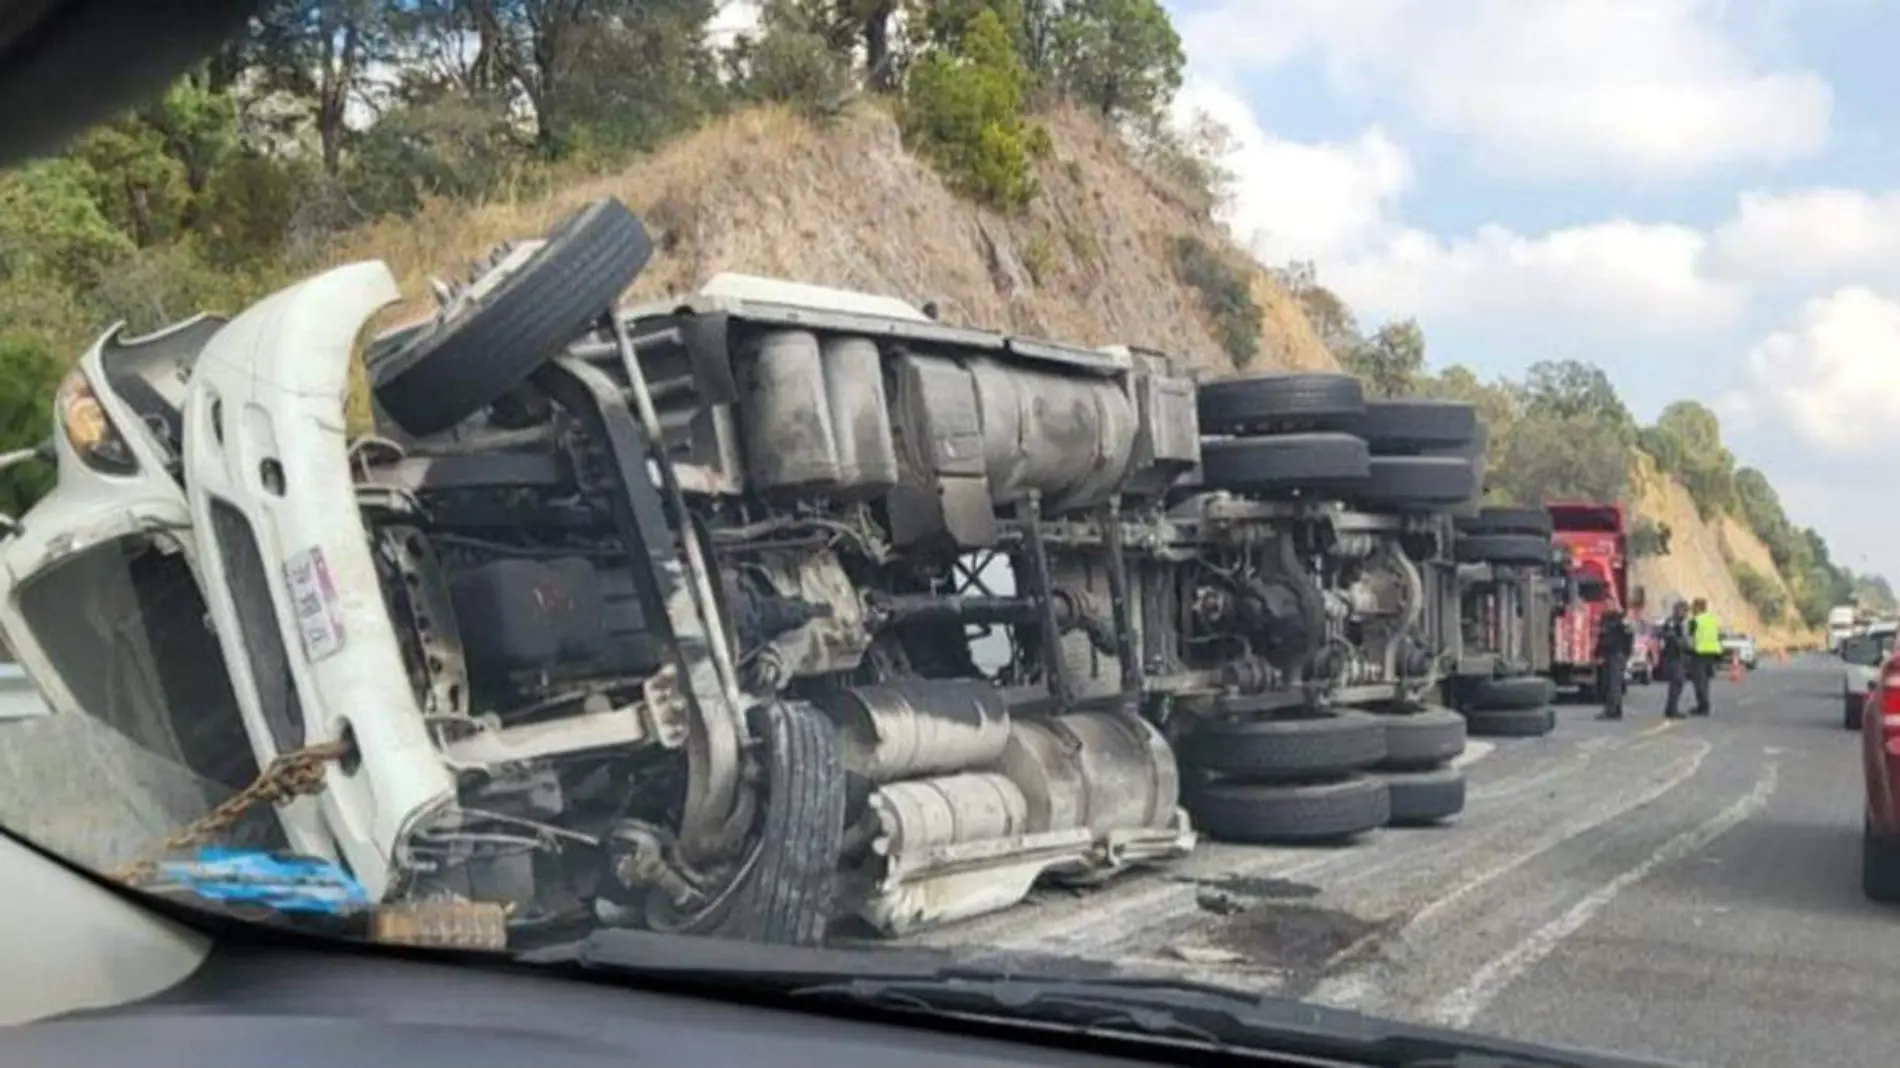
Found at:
<point>664,617</point>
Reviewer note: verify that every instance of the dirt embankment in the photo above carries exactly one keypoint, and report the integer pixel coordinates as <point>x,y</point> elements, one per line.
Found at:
<point>841,203</point>
<point>1698,561</point>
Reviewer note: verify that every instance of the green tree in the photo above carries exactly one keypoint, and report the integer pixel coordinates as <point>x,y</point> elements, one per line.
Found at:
<point>1120,58</point>
<point>1760,591</point>
<point>1547,456</point>
<point>637,73</point>
<point>33,371</point>
<point>322,52</point>
<point>1571,389</point>
<point>1391,360</point>
<point>1874,592</point>
<point>1704,464</point>
<point>1226,294</point>
<point>963,108</point>
<point>52,228</point>
<point>800,55</point>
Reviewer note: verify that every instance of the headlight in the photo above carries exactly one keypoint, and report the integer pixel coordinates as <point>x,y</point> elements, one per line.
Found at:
<point>89,429</point>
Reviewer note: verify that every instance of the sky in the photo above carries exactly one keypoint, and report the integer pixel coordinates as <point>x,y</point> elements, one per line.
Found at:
<point>1701,197</point>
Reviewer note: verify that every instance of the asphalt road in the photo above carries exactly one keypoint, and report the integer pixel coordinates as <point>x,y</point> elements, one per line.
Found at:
<point>1687,890</point>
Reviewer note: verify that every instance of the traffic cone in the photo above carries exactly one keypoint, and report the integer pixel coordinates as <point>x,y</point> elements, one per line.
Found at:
<point>1734,669</point>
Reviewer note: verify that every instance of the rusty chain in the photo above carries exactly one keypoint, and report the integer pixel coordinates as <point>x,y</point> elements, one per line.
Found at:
<point>298,773</point>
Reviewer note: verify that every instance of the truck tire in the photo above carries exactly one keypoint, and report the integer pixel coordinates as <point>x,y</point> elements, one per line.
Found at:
<point>1525,550</point>
<point>1262,814</point>
<point>1509,520</point>
<point>786,895</point>
<point>1422,739</point>
<point>1518,692</point>
<point>1415,427</point>
<point>1511,722</point>
<point>463,362</point>
<point>1414,484</point>
<point>1307,746</point>
<point>1425,797</point>
<point>1279,402</point>
<point>1472,451</point>
<point>1284,464</point>
<point>1851,711</point>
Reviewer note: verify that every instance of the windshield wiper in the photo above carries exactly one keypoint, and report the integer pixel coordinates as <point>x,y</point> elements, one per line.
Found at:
<point>1072,995</point>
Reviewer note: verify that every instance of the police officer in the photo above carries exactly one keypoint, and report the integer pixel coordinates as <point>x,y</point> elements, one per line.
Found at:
<point>1673,638</point>
<point>1615,642</point>
<point>1705,637</point>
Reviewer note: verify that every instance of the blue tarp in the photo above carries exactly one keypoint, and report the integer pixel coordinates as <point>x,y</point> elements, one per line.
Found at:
<point>281,882</point>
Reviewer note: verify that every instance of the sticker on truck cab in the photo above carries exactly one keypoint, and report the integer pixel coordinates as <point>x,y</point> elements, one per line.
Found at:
<point>314,597</point>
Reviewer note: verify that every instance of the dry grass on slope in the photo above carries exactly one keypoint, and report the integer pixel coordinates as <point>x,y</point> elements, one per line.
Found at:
<point>1697,562</point>
<point>842,204</point>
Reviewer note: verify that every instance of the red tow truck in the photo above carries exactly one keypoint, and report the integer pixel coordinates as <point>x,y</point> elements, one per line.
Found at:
<point>1595,539</point>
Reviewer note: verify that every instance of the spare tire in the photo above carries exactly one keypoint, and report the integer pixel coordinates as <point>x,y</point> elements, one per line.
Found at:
<point>1279,401</point>
<point>1509,520</point>
<point>1414,484</point>
<point>479,349</point>
<point>1412,427</point>
<point>1283,464</point>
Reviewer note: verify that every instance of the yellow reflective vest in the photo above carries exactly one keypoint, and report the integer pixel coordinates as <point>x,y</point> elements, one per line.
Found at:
<point>1706,636</point>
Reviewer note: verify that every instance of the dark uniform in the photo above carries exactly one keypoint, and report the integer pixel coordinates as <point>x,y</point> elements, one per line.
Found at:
<point>1615,643</point>
<point>1673,639</point>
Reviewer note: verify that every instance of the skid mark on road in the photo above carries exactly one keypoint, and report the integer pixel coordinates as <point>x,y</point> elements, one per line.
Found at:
<point>1459,1008</point>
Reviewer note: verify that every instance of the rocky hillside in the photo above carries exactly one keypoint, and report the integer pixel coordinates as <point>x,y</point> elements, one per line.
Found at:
<point>1095,259</point>
<point>1698,563</point>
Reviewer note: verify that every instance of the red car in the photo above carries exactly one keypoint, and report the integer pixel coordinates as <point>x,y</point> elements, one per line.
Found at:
<point>1880,758</point>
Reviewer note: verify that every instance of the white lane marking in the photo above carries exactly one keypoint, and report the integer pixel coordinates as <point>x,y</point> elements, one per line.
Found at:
<point>1459,1008</point>
<point>1680,772</point>
<point>1360,988</point>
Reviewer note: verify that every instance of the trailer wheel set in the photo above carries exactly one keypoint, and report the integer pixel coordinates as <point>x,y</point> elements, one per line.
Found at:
<point>1332,774</point>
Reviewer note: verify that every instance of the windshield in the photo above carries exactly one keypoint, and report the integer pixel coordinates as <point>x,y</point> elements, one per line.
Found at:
<point>158,740</point>
<point>1126,486</point>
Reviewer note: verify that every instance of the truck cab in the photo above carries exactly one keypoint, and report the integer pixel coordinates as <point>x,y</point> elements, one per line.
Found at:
<point>1594,536</point>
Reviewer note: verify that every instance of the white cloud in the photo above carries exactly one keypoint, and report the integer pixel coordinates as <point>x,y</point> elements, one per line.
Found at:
<point>1336,203</point>
<point>1814,237</point>
<point>1295,201</point>
<point>1604,279</point>
<point>1654,89</point>
<point>1829,376</point>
